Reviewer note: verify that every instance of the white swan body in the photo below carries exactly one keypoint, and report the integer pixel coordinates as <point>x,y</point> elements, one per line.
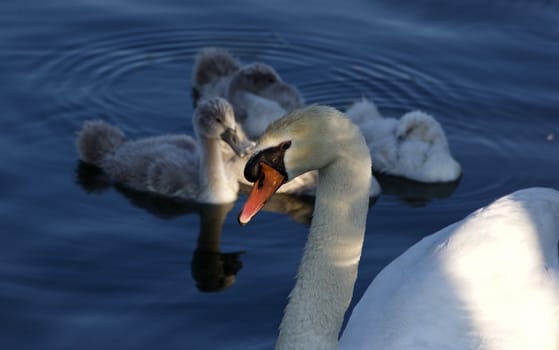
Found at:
<point>170,165</point>
<point>414,146</point>
<point>488,282</point>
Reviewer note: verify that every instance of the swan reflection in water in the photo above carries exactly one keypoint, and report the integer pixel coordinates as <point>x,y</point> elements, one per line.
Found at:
<point>212,269</point>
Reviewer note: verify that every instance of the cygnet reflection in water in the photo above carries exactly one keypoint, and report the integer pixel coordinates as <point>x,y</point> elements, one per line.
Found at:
<point>212,269</point>
<point>414,193</point>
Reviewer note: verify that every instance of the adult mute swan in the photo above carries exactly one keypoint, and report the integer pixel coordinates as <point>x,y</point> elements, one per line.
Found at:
<point>170,165</point>
<point>256,91</point>
<point>414,146</point>
<point>488,282</point>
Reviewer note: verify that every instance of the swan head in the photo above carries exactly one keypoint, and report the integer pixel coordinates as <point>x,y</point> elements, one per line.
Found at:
<point>262,80</point>
<point>305,139</point>
<point>214,119</point>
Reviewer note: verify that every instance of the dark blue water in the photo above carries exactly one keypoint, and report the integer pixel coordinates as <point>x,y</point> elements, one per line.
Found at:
<point>87,265</point>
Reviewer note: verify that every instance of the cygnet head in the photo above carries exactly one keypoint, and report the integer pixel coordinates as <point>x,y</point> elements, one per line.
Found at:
<point>215,119</point>
<point>261,79</point>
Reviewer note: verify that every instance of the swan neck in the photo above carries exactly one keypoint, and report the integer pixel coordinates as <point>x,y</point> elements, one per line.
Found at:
<point>327,274</point>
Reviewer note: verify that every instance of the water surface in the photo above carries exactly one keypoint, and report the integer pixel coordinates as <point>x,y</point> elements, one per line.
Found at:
<point>84,264</point>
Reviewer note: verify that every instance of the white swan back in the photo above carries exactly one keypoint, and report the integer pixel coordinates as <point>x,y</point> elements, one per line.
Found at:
<point>490,281</point>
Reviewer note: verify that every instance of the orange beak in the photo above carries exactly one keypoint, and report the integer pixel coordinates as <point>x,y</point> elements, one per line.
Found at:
<point>266,185</point>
